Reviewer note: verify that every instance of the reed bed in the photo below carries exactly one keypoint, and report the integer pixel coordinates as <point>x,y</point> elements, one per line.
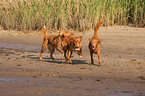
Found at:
<point>78,15</point>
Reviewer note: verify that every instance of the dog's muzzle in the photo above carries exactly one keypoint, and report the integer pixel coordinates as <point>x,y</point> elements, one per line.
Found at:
<point>77,48</point>
<point>93,47</point>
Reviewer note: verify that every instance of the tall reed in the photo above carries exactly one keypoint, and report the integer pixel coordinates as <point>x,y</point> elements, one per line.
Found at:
<point>69,14</point>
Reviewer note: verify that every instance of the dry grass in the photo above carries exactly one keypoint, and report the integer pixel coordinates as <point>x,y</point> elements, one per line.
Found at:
<point>69,14</point>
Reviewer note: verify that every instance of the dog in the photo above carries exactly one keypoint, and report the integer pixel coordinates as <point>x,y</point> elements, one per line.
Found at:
<point>70,44</point>
<point>66,33</point>
<point>53,42</point>
<point>95,43</point>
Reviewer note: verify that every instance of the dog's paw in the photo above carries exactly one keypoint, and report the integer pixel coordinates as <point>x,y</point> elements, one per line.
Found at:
<point>62,54</point>
<point>81,57</point>
<point>53,58</point>
<point>71,56</point>
<point>66,60</point>
<point>92,63</point>
<point>40,58</point>
<point>71,62</point>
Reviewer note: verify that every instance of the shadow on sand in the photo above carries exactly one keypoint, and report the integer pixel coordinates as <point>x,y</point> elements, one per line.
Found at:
<point>58,61</point>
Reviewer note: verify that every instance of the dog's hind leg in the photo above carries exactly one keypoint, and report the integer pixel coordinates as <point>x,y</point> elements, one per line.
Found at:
<point>42,50</point>
<point>51,50</point>
<point>44,47</point>
<point>60,50</point>
<point>65,52</point>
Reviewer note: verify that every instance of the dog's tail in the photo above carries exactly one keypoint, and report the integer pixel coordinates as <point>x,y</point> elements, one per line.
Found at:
<point>96,29</point>
<point>44,32</point>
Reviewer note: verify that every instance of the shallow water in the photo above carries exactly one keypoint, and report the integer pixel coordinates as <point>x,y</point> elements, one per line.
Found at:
<point>24,47</point>
<point>4,79</point>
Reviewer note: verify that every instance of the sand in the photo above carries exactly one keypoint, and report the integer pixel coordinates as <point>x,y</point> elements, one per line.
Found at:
<point>122,72</point>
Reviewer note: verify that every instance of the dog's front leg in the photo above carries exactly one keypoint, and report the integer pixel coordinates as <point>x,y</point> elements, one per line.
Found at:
<point>99,56</point>
<point>99,53</point>
<point>65,54</point>
<point>69,56</point>
<point>91,54</point>
<point>80,53</point>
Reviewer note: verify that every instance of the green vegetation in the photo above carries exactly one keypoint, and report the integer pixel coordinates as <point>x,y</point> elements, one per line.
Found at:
<point>69,14</point>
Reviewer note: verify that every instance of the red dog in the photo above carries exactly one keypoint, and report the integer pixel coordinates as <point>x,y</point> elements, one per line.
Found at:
<point>70,44</point>
<point>60,42</point>
<point>95,43</point>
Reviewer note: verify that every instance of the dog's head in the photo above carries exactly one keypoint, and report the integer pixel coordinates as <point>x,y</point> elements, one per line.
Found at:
<point>94,43</point>
<point>77,42</point>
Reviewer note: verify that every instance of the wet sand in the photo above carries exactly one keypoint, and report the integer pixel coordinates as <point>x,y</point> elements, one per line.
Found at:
<point>122,72</point>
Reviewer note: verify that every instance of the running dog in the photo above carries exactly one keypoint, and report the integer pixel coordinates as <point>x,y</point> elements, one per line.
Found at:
<point>70,44</point>
<point>53,42</point>
<point>95,43</point>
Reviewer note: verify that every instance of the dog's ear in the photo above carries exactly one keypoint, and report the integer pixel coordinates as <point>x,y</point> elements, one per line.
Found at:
<point>100,40</point>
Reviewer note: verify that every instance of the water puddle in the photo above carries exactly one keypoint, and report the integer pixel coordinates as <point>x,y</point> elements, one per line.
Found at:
<point>21,47</point>
<point>13,79</point>
<point>3,80</point>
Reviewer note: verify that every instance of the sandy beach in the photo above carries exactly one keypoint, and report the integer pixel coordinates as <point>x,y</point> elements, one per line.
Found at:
<point>122,72</point>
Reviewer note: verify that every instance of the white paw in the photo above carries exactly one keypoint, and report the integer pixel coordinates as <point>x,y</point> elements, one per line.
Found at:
<point>63,54</point>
